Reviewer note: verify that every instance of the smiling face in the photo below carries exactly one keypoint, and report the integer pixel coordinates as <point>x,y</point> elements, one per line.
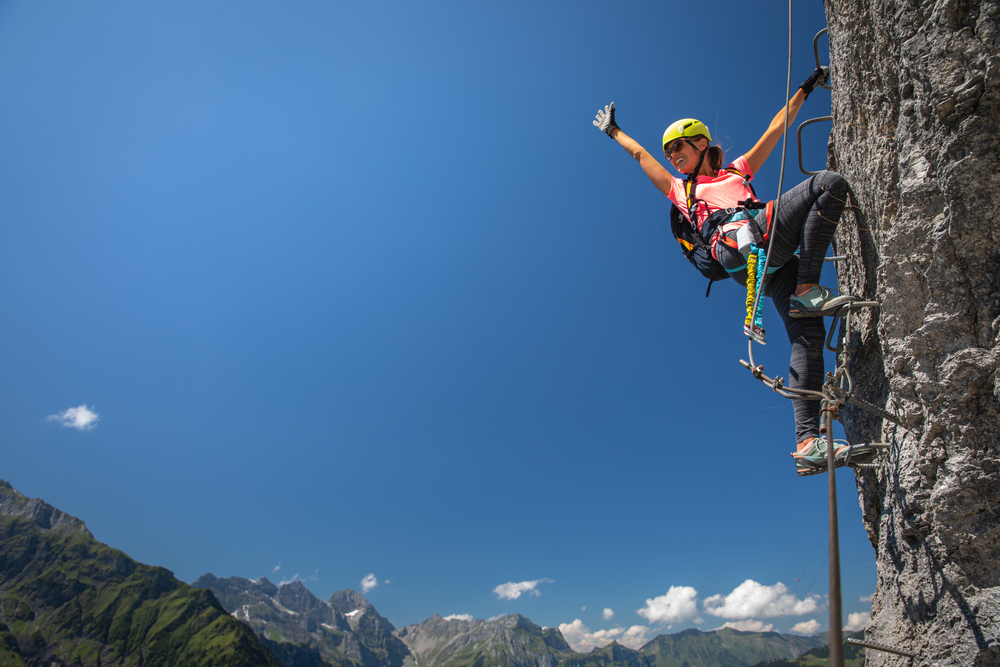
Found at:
<point>684,156</point>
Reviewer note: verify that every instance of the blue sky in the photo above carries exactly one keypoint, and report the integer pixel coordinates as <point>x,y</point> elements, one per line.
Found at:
<point>357,289</point>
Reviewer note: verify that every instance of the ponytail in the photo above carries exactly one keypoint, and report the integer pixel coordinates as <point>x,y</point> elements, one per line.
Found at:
<point>716,157</point>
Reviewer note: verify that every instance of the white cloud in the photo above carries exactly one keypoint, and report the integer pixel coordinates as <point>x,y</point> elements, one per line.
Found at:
<point>750,600</point>
<point>512,591</point>
<point>368,583</point>
<point>634,637</point>
<point>857,621</point>
<point>608,614</point>
<point>81,418</point>
<point>806,627</point>
<point>459,617</point>
<point>867,598</point>
<point>582,640</point>
<point>276,567</point>
<point>748,625</point>
<point>679,605</point>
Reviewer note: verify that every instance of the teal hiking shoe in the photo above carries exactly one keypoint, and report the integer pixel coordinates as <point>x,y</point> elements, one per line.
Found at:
<point>812,459</point>
<point>817,302</point>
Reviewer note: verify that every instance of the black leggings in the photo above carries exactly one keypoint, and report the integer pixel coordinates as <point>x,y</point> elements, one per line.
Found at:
<point>807,220</point>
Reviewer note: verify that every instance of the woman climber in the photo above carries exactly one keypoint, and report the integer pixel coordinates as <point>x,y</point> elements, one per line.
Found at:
<point>720,220</point>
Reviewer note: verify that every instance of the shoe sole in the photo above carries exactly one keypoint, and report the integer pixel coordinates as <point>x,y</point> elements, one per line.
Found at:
<point>854,454</point>
<point>831,309</point>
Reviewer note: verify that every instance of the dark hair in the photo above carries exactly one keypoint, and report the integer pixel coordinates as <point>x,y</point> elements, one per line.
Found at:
<point>716,157</point>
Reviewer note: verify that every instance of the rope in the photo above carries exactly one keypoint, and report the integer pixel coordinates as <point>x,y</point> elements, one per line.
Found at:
<point>784,153</point>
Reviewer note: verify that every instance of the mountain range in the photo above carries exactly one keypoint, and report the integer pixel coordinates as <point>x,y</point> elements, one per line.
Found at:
<point>347,630</point>
<point>67,599</point>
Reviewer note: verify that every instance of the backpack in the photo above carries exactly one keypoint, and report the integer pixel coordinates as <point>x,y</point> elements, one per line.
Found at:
<point>695,249</point>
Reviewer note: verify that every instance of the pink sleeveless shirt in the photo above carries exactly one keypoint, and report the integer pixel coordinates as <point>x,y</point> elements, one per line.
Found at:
<point>717,192</point>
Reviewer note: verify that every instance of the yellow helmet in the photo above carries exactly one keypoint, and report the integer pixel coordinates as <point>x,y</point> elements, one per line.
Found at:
<point>685,127</point>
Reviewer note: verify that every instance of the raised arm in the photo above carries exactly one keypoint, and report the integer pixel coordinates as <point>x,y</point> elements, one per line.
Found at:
<point>656,173</point>
<point>757,155</point>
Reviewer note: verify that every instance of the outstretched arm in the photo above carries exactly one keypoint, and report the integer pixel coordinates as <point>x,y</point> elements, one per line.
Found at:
<point>757,155</point>
<point>659,176</point>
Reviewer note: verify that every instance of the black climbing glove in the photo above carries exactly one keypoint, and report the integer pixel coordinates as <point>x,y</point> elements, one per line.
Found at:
<point>606,119</point>
<point>815,80</point>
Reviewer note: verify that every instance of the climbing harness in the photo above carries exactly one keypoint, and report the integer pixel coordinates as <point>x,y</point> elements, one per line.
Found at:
<point>696,243</point>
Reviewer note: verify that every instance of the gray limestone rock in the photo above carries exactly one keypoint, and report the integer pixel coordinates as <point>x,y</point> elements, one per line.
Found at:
<point>916,107</point>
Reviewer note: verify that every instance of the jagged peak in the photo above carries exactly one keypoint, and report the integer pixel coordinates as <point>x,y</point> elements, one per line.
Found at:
<point>36,510</point>
<point>294,595</point>
<point>517,621</point>
<point>266,586</point>
<point>438,621</point>
<point>261,586</point>
<point>294,586</point>
<point>348,600</point>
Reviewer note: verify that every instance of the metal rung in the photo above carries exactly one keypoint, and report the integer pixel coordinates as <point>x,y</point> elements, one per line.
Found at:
<point>798,136</point>
<point>835,258</point>
<point>816,52</point>
<point>841,312</point>
<point>854,305</point>
<point>879,647</point>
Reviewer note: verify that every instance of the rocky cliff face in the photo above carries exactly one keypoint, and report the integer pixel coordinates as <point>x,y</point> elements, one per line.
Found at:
<point>916,106</point>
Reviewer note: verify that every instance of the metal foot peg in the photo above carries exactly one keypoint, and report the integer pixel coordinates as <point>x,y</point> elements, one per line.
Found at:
<point>861,455</point>
<point>880,647</point>
<point>843,311</point>
<point>857,456</point>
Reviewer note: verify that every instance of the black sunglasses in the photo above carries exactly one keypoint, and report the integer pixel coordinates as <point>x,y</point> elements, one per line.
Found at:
<point>673,147</point>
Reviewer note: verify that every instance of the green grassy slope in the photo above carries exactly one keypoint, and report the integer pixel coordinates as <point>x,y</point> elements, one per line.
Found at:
<point>854,656</point>
<point>9,653</point>
<point>65,596</point>
<point>724,648</point>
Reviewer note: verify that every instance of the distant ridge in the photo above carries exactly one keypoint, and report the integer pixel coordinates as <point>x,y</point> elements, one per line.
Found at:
<point>725,647</point>
<point>854,656</point>
<point>347,631</point>
<point>67,599</point>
